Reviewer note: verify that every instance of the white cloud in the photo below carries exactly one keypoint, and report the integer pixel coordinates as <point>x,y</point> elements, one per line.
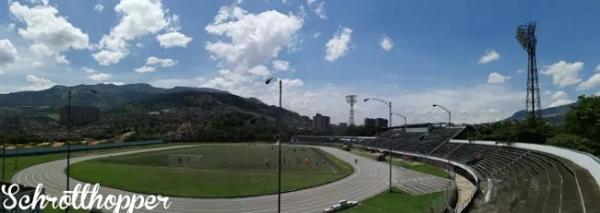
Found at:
<point>10,27</point>
<point>253,38</point>
<point>116,83</point>
<point>145,69</point>
<point>320,10</point>
<point>386,43</point>
<point>49,33</point>
<point>292,82</point>
<point>489,56</point>
<point>152,63</point>
<point>99,76</point>
<point>592,82</point>
<point>497,78</point>
<point>259,70</point>
<point>316,34</point>
<point>173,39</point>
<point>138,18</point>
<point>564,73</point>
<point>37,83</point>
<point>560,98</point>
<point>163,62</point>
<point>88,70</point>
<point>280,65</point>
<point>338,45</point>
<point>8,53</point>
<point>472,104</point>
<point>597,68</point>
<point>99,8</point>
<point>247,41</point>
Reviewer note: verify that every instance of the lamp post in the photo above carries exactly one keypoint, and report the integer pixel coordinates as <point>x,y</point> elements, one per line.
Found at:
<point>402,116</point>
<point>389,104</point>
<point>70,94</point>
<point>278,121</point>
<point>448,111</point>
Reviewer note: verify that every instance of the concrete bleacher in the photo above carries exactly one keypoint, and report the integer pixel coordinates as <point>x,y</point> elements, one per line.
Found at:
<point>523,180</point>
<point>512,179</point>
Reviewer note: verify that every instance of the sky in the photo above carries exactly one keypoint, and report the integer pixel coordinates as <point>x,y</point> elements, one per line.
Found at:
<point>459,54</point>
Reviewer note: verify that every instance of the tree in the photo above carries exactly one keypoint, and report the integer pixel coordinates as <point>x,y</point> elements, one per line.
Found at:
<point>572,142</point>
<point>584,118</point>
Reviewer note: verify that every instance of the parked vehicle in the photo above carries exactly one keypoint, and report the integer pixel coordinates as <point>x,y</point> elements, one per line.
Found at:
<point>341,205</point>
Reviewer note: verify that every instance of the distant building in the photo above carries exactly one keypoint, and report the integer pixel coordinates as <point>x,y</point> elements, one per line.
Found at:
<point>381,122</point>
<point>343,125</point>
<point>369,122</point>
<point>320,122</point>
<point>81,115</point>
<point>376,122</point>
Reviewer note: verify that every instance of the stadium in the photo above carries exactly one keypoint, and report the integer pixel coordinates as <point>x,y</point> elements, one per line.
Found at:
<point>170,137</point>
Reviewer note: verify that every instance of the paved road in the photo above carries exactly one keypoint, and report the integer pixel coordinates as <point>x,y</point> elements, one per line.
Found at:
<point>369,179</point>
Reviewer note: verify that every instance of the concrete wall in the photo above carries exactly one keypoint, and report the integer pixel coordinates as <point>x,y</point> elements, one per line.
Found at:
<point>584,160</point>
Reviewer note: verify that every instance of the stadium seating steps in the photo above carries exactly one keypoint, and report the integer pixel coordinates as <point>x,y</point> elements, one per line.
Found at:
<point>522,180</point>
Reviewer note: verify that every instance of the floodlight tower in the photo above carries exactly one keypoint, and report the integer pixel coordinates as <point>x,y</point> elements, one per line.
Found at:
<point>351,99</point>
<point>526,37</point>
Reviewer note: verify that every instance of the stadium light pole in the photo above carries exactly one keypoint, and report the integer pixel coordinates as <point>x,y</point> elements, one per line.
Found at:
<point>70,94</point>
<point>389,104</point>
<point>268,81</point>
<point>448,111</point>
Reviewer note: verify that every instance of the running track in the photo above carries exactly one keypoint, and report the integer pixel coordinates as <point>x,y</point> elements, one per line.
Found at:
<point>370,178</point>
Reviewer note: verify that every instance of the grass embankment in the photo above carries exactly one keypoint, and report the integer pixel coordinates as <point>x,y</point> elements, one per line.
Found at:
<point>412,165</point>
<point>215,170</point>
<point>398,201</point>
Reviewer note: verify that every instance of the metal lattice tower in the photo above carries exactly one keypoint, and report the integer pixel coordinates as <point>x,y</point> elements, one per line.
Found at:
<point>526,37</point>
<point>351,99</point>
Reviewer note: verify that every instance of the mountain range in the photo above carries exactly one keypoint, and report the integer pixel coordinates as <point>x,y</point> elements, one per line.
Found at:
<point>553,115</point>
<point>183,113</point>
<point>104,96</point>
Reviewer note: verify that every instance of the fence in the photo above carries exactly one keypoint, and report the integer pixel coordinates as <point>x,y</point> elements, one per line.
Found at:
<point>442,203</point>
<point>74,148</point>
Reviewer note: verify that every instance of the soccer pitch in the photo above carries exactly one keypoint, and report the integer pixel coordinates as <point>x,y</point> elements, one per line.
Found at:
<point>214,170</point>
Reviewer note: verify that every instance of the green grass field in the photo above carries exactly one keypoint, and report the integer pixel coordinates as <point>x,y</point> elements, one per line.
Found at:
<point>412,165</point>
<point>398,201</point>
<point>215,170</point>
<point>16,164</point>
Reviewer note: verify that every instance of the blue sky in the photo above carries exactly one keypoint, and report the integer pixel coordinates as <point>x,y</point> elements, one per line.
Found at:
<point>461,54</point>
